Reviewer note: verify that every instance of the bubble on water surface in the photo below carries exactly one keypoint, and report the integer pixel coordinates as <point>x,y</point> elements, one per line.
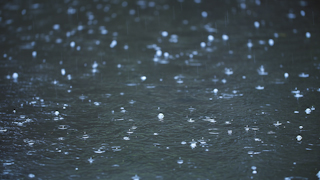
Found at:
<point>180,161</point>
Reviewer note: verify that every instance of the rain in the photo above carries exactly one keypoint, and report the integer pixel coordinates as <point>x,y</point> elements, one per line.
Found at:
<point>160,89</point>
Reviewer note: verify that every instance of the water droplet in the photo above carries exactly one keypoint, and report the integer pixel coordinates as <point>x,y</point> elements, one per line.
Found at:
<point>271,42</point>
<point>225,37</point>
<point>299,138</point>
<point>160,116</point>
<point>164,33</point>
<point>308,34</point>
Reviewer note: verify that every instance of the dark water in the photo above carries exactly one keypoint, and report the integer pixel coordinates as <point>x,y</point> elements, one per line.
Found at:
<point>82,84</point>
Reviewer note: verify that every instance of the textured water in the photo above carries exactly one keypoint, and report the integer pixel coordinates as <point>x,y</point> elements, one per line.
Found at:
<point>83,85</point>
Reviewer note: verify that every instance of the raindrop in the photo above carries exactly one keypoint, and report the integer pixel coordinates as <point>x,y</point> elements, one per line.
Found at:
<point>271,42</point>
<point>72,44</point>
<point>180,161</point>
<point>159,52</point>
<point>56,113</point>
<point>299,138</point>
<point>308,111</point>
<point>277,124</point>
<point>259,87</point>
<point>256,24</point>
<point>63,72</point>
<point>225,37</point>
<point>143,78</point>
<point>249,44</point>
<point>15,75</point>
<point>203,44</point>
<point>204,14</point>
<point>56,27</point>
<point>160,116</point>
<point>193,144</point>
<point>23,12</point>
<point>308,34</point>
<point>113,44</point>
<point>303,75</point>
<point>34,54</point>
<point>291,16</point>
<point>136,177</point>
<point>99,151</point>
<point>210,38</point>
<point>164,33</point>
<point>126,138</point>
<point>90,160</point>
<point>215,90</point>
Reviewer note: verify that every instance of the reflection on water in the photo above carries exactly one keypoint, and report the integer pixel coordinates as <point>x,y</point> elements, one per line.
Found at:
<point>186,89</point>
